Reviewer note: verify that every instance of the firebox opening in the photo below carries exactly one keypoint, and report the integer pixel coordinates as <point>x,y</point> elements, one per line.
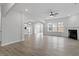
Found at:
<point>73,34</point>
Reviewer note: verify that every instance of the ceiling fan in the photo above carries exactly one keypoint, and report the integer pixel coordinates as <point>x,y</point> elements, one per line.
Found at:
<point>53,13</point>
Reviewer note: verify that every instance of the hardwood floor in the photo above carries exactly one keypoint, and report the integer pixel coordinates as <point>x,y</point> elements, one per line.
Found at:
<point>42,46</point>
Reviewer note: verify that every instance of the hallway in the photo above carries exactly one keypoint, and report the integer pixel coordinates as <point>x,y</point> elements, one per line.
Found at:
<point>42,46</point>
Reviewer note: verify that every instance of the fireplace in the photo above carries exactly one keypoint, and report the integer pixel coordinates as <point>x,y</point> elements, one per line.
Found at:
<point>72,34</point>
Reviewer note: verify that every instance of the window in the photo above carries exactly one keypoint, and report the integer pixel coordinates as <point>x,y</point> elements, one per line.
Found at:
<point>49,27</point>
<point>60,27</point>
<point>56,27</point>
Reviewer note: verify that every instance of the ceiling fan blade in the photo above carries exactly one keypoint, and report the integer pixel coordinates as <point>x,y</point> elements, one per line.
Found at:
<point>56,13</point>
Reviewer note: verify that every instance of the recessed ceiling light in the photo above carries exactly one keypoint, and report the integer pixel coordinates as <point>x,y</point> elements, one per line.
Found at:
<point>26,10</point>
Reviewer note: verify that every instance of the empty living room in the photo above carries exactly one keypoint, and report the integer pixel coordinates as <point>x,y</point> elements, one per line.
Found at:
<point>39,29</point>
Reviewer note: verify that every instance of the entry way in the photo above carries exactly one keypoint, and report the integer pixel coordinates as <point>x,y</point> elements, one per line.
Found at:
<point>38,29</point>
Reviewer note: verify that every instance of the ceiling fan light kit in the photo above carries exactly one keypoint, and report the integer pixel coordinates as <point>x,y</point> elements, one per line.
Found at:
<point>53,13</point>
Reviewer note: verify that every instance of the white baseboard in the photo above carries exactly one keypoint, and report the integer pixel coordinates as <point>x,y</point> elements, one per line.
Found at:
<point>4,44</point>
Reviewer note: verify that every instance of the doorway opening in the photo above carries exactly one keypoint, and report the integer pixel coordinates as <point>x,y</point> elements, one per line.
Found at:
<point>28,28</point>
<point>38,29</point>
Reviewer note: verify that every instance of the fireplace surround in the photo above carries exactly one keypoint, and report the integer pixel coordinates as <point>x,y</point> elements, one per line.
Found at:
<point>72,34</point>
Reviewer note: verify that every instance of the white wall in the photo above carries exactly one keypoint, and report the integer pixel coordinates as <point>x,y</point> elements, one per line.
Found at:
<point>55,21</point>
<point>6,7</point>
<point>71,22</point>
<point>0,25</point>
<point>12,28</point>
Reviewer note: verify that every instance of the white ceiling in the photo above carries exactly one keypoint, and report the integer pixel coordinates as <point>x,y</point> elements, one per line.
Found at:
<point>1,4</point>
<point>41,10</point>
